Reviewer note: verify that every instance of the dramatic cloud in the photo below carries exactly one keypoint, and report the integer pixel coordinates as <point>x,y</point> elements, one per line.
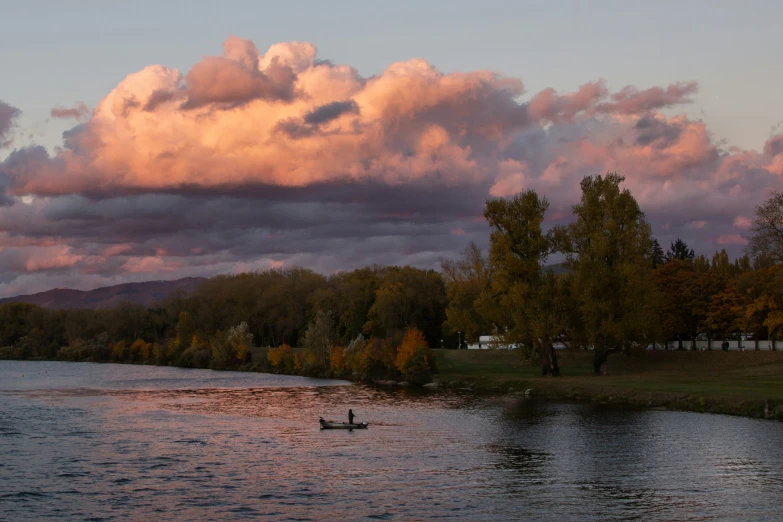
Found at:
<point>79,112</point>
<point>7,116</point>
<point>251,160</point>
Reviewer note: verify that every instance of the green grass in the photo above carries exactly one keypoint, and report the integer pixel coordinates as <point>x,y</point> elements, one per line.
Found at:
<point>730,382</point>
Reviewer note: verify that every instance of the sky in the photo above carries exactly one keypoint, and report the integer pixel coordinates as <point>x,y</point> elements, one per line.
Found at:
<point>156,140</point>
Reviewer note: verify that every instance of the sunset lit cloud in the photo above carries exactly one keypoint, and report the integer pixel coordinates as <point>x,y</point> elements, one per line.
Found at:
<point>276,158</point>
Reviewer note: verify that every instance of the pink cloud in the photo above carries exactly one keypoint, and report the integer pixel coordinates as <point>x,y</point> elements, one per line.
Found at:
<point>742,222</point>
<point>78,112</point>
<point>55,257</point>
<point>255,159</point>
<point>150,264</point>
<point>548,105</point>
<point>732,239</point>
<point>632,101</point>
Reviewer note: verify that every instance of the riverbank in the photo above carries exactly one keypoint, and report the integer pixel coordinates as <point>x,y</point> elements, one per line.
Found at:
<point>747,383</point>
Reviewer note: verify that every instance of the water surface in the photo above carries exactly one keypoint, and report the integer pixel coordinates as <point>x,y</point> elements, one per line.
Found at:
<point>82,441</point>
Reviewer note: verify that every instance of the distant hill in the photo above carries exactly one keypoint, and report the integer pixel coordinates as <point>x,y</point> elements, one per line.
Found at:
<point>144,293</point>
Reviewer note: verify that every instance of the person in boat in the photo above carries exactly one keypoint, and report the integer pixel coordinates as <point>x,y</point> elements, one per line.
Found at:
<point>350,416</point>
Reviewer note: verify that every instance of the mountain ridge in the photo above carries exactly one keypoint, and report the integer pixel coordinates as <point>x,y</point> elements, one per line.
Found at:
<point>143,293</point>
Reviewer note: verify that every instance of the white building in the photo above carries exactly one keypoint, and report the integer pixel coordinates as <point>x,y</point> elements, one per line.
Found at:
<point>490,341</point>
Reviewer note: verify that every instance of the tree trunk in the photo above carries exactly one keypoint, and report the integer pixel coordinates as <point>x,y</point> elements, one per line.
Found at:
<point>709,341</point>
<point>549,366</point>
<point>600,358</point>
<point>599,361</point>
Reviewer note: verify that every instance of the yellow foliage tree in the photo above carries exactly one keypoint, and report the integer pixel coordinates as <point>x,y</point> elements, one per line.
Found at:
<point>159,352</point>
<point>337,359</point>
<point>140,349</point>
<point>281,358</point>
<point>118,350</point>
<point>240,340</point>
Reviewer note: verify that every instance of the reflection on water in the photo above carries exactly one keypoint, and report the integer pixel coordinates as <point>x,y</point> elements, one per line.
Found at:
<point>111,442</point>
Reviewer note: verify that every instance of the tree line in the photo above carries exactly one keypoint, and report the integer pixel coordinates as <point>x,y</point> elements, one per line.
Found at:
<point>352,324</point>
<point>617,291</point>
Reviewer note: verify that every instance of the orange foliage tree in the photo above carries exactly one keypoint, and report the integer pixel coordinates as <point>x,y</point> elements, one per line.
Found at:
<point>414,359</point>
<point>281,358</point>
<point>337,360</point>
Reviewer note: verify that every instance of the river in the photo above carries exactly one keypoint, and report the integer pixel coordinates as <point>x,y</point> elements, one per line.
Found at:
<point>81,441</point>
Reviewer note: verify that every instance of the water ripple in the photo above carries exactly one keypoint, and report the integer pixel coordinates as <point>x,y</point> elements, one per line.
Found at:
<point>109,442</point>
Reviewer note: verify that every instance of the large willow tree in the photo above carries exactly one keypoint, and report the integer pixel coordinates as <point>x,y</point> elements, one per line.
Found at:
<point>608,249</point>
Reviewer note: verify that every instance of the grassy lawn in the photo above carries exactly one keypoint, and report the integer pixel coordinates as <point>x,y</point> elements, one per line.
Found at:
<point>748,375</point>
<point>746,383</point>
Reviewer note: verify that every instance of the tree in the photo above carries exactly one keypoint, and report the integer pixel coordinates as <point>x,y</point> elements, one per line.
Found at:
<point>408,297</point>
<point>230,347</point>
<point>608,248</point>
<point>684,299</point>
<point>679,250</point>
<point>726,308</point>
<point>657,254</point>
<point>320,336</point>
<point>767,229</point>
<point>465,281</point>
<point>240,340</point>
<point>522,298</point>
<point>413,359</point>
<point>185,329</point>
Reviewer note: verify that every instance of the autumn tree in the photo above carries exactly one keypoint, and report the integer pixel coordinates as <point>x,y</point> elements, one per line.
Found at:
<point>466,279</point>
<point>726,308</point>
<point>240,341</point>
<point>770,303</point>
<point>281,358</point>
<point>349,296</point>
<point>414,360</point>
<point>407,297</point>
<point>320,336</point>
<point>185,330</point>
<point>684,299</point>
<point>608,249</point>
<point>522,298</point>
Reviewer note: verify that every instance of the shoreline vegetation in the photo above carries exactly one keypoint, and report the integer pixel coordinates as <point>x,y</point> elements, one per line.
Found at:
<point>615,293</point>
<point>748,384</point>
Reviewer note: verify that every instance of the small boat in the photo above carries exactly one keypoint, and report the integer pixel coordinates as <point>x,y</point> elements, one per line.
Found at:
<point>331,425</point>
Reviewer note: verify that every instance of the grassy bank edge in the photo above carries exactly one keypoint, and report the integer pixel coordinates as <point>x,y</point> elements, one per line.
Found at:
<point>540,388</point>
<point>491,374</point>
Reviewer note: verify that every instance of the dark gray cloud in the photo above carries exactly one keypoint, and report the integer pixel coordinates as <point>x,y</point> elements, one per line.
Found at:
<point>8,114</point>
<point>774,145</point>
<point>330,111</point>
<point>158,97</point>
<point>656,132</point>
